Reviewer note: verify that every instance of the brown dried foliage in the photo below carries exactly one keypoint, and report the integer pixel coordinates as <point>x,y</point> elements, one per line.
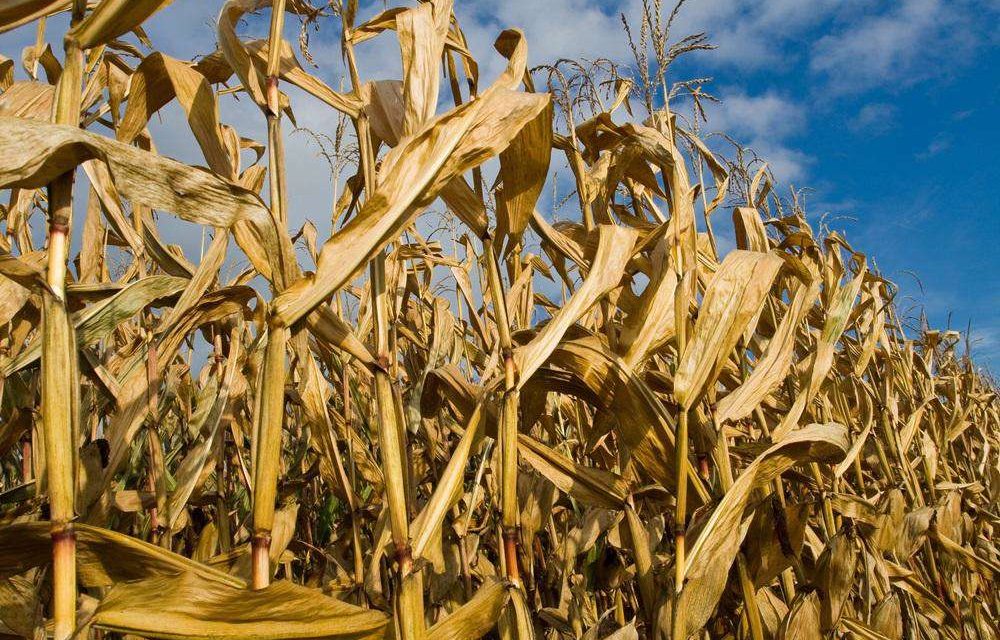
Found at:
<point>402,441</point>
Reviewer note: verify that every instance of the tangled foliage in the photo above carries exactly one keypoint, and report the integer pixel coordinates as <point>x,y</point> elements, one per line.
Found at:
<point>388,439</point>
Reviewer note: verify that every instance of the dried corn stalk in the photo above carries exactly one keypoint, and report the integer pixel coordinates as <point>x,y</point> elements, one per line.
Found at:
<point>407,442</point>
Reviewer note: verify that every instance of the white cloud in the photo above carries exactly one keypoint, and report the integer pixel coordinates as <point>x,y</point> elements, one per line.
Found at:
<point>894,46</point>
<point>764,123</point>
<point>858,43</point>
<point>985,343</point>
<point>940,144</point>
<point>766,115</point>
<point>749,35</point>
<point>788,165</point>
<point>756,35</point>
<point>876,118</point>
<point>555,28</point>
<point>185,29</point>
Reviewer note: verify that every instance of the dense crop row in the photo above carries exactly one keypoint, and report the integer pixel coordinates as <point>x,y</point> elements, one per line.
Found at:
<point>390,437</point>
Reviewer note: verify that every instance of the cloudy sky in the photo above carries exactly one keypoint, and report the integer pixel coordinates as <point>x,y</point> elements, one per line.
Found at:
<point>884,111</point>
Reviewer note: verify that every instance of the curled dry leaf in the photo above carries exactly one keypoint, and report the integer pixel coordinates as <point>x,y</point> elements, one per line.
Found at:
<point>713,552</point>
<point>473,408</point>
<point>187,606</point>
<point>33,154</point>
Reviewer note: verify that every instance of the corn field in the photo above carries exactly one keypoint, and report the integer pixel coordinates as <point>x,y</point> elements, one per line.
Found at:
<point>394,433</point>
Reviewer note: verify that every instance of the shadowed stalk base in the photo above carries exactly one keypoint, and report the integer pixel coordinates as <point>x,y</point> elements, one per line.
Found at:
<point>260,560</point>
<point>64,582</point>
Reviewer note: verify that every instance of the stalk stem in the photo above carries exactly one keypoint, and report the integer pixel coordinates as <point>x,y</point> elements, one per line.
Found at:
<point>270,419</point>
<point>271,408</point>
<point>680,515</point>
<point>680,461</point>
<point>508,420</point>
<point>750,609</point>
<point>409,593</point>
<point>59,359</point>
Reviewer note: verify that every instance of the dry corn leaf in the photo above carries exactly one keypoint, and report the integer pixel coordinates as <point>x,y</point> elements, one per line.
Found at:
<point>524,166</point>
<point>837,317</point>
<point>712,554</point>
<point>32,154</point>
<point>475,618</point>
<point>614,248</point>
<point>412,176</point>
<point>98,320</point>
<point>27,100</point>
<point>15,13</point>
<point>591,486</point>
<point>447,491</point>
<point>188,606</point>
<point>104,557</point>
<point>803,621</point>
<point>160,79</point>
<point>774,363</point>
<point>733,297</point>
<point>384,108</point>
<point>112,18</point>
<point>290,70</point>
<point>835,577</point>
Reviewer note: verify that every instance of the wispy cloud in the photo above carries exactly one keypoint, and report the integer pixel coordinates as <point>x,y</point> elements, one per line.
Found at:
<point>764,122</point>
<point>984,342</point>
<point>554,28</point>
<point>767,114</point>
<point>876,119</point>
<point>940,144</point>
<point>756,35</point>
<point>897,44</point>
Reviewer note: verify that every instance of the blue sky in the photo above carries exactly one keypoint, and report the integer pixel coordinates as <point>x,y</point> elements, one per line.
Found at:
<point>889,113</point>
<point>885,111</point>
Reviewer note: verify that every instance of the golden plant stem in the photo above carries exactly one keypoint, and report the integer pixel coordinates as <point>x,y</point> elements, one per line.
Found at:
<point>508,473</point>
<point>271,409</point>
<point>409,601</point>
<point>26,474</point>
<point>909,475</point>
<point>275,143</point>
<point>392,443</point>
<point>409,597</point>
<point>57,418</point>
<point>359,563</point>
<point>859,476</point>
<point>829,524</point>
<point>156,476</point>
<point>391,438</point>
<point>508,420</point>
<point>750,608</point>
<point>276,153</point>
<point>59,360</point>
<point>270,418</point>
<point>883,459</point>
<point>681,462</point>
<point>680,514</point>
<point>151,485</point>
<point>576,164</point>
<point>749,599</point>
